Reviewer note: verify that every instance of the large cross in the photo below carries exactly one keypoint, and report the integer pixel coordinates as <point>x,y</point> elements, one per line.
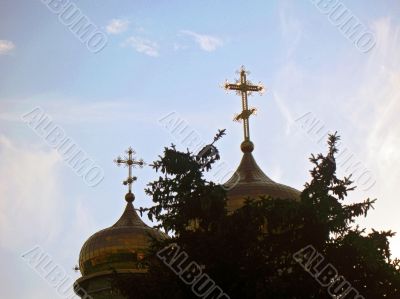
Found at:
<point>243,87</point>
<point>130,162</point>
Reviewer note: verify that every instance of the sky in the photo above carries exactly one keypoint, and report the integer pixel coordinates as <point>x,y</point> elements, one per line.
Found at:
<point>148,74</point>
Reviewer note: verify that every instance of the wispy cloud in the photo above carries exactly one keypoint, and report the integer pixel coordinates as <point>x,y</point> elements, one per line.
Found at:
<point>370,106</point>
<point>6,46</point>
<point>376,108</point>
<point>28,196</point>
<point>285,111</point>
<point>117,26</point>
<point>178,47</point>
<point>35,211</point>
<point>69,111</point>
<point>207,43</point>
<point>142,45</point>
<point>291,29</point>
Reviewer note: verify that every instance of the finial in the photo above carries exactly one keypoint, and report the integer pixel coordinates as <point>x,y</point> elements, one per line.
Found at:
<point>244,87</point>
<point>130,162</point>
<point>247,146</point>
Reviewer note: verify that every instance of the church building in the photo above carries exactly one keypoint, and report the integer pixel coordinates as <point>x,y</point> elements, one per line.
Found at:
<point>120,249</point>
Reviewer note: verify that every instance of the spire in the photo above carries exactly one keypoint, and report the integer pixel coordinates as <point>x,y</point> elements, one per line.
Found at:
<point>244,87</point>
<point>130,162</point>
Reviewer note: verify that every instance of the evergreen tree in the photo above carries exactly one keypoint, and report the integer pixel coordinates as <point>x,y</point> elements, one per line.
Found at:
<point>271,247</point>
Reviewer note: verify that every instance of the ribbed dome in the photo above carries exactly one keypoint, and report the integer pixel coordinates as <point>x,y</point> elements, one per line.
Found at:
<point>250,181</point>
<point>120,247</point>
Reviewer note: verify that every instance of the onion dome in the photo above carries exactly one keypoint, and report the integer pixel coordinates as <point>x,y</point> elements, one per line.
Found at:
<point>119,247</point>
<point>249,181</point>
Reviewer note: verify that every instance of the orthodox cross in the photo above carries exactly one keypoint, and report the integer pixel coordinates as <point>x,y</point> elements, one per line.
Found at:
<point>243,87</point>
<point>130,162</point>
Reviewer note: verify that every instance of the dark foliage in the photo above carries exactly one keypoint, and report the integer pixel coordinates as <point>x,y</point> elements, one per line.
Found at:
<point>249,253</point>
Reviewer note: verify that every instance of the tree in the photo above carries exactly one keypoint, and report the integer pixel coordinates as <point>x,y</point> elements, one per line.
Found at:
<point>262,249</point>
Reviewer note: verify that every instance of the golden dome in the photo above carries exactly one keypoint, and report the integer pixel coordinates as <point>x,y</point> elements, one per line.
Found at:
<point>119,247</point>
<point>250,181</point>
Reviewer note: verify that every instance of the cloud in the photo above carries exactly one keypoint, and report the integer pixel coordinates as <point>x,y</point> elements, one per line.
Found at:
<point>117,26</point>
<point>291,28</point>
<point>206,42</point>
<point>30,196</point>
<point>142,45</point>
<point>366,91</point>
<point>378,110</point>
<point>360,96</point>
<point>178,47</point>
<point>35,211</point>
<point>285,111</point>
<point>75,111</point>
<point>6,46</point>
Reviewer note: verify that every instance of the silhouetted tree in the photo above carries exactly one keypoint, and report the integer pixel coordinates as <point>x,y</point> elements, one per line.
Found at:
<point>256,252</point>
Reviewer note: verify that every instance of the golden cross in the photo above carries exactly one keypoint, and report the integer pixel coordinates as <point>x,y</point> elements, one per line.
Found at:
<point>243,87</point>
<point>130,162</point>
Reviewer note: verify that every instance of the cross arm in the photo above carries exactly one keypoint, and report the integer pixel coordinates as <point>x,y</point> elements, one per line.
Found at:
<point>232,86</point>
<point>254,88</point>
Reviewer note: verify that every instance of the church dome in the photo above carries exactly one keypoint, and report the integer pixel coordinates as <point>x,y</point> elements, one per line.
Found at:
<point>249,181</point>
<point>120,247</point>
<point>117,250</point>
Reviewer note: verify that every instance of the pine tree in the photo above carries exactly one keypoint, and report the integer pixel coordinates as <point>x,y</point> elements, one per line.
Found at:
<point>271,247</point>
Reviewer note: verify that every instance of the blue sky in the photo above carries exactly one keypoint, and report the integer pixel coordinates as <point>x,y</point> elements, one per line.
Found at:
<point>169,58</point>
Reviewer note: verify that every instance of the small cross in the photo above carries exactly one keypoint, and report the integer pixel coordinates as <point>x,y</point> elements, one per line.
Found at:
<point>129,162</point>
<point>243,87</point>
